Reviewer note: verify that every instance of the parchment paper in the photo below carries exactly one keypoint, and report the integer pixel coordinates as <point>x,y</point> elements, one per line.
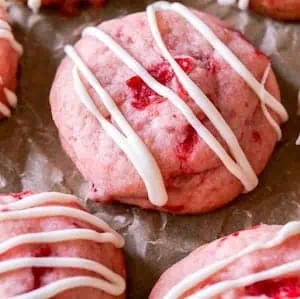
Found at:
<point>31,156</point>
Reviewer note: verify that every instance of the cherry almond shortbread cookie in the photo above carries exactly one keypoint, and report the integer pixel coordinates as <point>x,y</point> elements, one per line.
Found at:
<point>286,10</point>
<point>51,247</point>
<point>169,109</point>
<point>263,262</point>
<point>10,52</point>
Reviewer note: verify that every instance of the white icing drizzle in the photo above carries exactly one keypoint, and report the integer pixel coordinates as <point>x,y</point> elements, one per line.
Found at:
<point>113,284</point>
<point>203,102</point>
<point>40,199</point>
<point>242,4</point>
<point>6,33</point>
<point>240,167</point>
<point>175,100</point>
<point>62,285</point>
<point>226,53</point>
<point>298,141</point>
<point>129,141</point>
<point>265,110</point>
<point>289,230</point>
<point>33,207</point>
<point>34,5</point>
<point>5,110</point>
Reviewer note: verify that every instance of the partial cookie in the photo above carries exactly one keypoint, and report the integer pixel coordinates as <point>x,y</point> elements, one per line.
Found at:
<point>66,6</point>
<point>263,262</point>
<point>286,10</point>
<point>51,247</point>
<point>10,52</point>
<point>168,110</point>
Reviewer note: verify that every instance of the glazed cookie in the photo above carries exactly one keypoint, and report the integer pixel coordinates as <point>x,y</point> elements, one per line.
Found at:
<point>51,247</point>
<point>263,262</point>
<point>67,6</point>
<point>10,52</point>
<point>167,110</point>
<point>288,10</point>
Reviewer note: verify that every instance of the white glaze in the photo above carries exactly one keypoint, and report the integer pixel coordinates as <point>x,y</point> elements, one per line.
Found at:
<point>265,110</point>
<point>242,4</point>
<point>204,103</point>
<point>43,205</point>
<point>166,92</point>
<point>4,110</point>
<point>129,141</point>
<point>62,285</point>
<point>240,167</point>
<point>34,5</point>
<point>226,53</point>
<point>113,284</point>
<point>298,141</point>
<point>221,287</point>
<point>286,232</point>
<point>40,199</point>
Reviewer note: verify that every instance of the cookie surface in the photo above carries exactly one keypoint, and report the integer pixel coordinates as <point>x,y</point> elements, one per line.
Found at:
<point>195,179</point>
<point>288,10</point>
<point>262,262</point>
<point>10,52</point>
<point>67,6</point>
<point>51,247</point>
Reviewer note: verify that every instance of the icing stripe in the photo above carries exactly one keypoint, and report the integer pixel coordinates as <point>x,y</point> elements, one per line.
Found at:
<point>131,144</point>
<point>59,236</point>
<point>113,284</point>
<point>11,97</point>
<point>265,110</point>
<point>41,199</point>
<point>242,4</point>
<point>203,101</point>
<point>221,287</point>
<point>162,90</point>
<point>56,211</point>
<point>226,53</point>
<point>286,232</point>
<point>62,285</point>
<point>34,5</point>
<point>30,208</point>
<point>4,110</point>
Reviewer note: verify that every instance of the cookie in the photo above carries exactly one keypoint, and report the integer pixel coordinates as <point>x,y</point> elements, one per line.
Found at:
<point>51,247</point>
<point>10,52</point>
<point>69,7</point>
<point>286,10</point>
<point>167,110</point>
<point>263,262</point>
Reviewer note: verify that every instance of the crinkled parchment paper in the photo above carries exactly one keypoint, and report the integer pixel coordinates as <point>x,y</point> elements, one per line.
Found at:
<point>31,156</point>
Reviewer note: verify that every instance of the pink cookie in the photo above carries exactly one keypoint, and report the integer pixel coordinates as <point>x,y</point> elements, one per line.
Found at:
<point>195,179</point>
<point>10,52</point>
<point>263,262</point>
<point>50,247</point>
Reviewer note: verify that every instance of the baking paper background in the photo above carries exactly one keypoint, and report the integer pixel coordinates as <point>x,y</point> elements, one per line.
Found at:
<point>31,156</point>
